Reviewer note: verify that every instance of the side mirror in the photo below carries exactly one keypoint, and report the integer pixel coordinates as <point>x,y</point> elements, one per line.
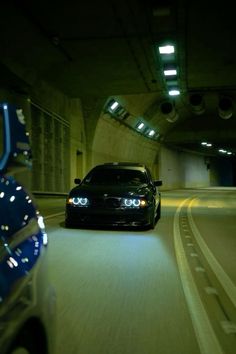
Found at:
<point>158,183</point>
<point>15,151</point>
<point>77,180</point>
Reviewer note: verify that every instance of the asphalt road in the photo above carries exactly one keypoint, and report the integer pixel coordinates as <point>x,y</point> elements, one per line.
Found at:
<point>170,290</point>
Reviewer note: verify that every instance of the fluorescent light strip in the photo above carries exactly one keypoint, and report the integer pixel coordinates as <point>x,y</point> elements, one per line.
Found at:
<point>174,92</point>
<point>114,105</point>
<point>170,72</point>
<point>167,49</point>
<point>151,133</point>
<point>140,126</point>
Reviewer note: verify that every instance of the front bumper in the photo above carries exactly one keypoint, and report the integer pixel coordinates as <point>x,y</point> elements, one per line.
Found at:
<point>108,217</point>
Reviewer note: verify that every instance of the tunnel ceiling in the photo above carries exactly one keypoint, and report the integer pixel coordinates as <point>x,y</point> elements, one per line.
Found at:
<point>110,48</point>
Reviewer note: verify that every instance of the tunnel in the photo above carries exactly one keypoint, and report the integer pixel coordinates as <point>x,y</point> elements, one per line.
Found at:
<point>133,82</point>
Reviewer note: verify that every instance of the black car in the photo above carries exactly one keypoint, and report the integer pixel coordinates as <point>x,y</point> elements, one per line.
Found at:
<point>119,194</point>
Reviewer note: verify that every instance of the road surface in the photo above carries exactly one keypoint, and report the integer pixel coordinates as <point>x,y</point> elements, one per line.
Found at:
<point>169,290</point>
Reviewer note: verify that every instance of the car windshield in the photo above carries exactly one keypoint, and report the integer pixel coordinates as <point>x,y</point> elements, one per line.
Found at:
<point>116,176</point>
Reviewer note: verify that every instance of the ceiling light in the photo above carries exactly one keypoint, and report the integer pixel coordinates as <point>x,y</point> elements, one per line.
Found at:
<point>114,105</point>
<point>170,72</point>
<point>229,153</point>
<point>167,49</point>
<point>206,144</point>
<point>140,126</point>
<point>151,133</point>
<point>174,92</point>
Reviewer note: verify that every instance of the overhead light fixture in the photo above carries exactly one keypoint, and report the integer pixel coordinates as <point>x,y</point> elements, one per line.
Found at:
<point>140,126</point>
<point>168,59</point>
<point>204,143</point>
<point>170,69</point>
<point>174,92</point>
<point>114,105</point>
<point>117,110</point>
<point>223,151</point>
<point>170,72</point>
<point>151,132</point>
<point>167,49</point>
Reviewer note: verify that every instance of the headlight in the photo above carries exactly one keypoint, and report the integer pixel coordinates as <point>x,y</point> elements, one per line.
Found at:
<point>134,203</point>
<point>78,201</point>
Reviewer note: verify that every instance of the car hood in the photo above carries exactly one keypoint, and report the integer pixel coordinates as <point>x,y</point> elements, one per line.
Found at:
<point>116,191</point>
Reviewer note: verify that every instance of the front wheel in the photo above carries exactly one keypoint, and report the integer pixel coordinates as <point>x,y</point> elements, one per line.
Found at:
<point>152,223</point>
<point>68,224</point>
<point>158,213</point>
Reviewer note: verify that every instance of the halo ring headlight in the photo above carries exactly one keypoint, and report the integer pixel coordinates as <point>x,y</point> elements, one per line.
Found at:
<point>75,201</point>
<point>83,201</point>
<point>80,201</point>
<point>136,202</point>
<point>128,202</point>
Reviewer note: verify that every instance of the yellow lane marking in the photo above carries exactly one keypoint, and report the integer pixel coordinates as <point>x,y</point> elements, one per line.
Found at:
<point>223,278</point>
<point>207,340</point>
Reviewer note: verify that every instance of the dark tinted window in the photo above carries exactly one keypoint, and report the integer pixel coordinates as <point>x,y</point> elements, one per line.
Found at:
<point>116,176</point>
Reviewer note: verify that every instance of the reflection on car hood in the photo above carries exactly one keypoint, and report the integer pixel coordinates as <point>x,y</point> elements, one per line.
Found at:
<point>112,190</point>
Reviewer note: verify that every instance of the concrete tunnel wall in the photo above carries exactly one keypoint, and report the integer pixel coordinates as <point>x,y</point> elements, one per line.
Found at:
<point>182,170</point>
<point>115,142</point>
<point>59,159</point>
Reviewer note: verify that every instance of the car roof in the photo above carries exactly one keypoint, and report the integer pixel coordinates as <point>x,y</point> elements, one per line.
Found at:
<point>131,164</point>
<point>118,165</point>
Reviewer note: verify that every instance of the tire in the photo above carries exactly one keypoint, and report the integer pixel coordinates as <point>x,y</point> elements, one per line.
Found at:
<point>152,222</point>
<point>67,224</point>
<point>28,343</point>
<point>158,214</point>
